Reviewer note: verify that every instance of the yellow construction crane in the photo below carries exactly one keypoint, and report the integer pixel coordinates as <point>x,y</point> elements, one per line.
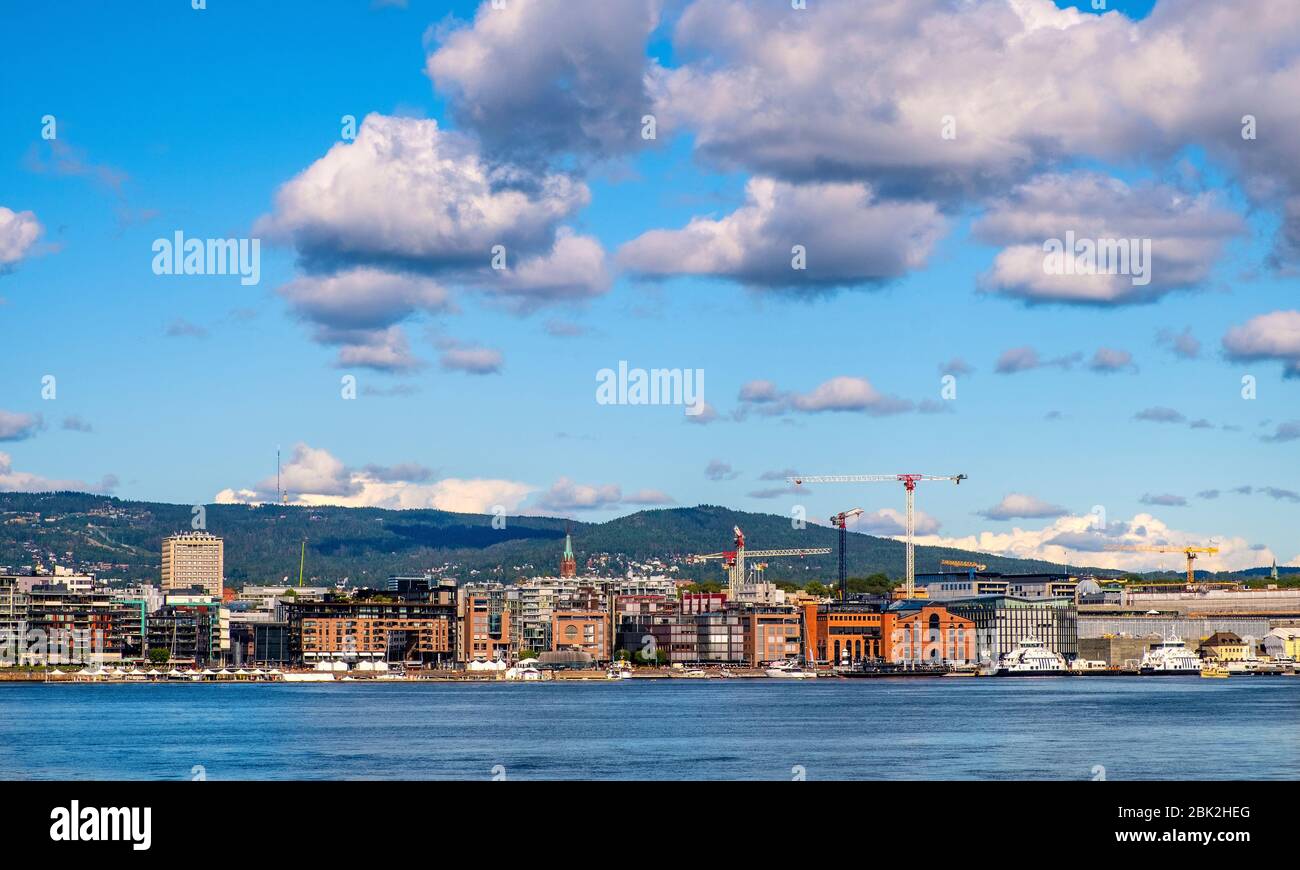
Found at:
<point>1191,553</point>
<point>954,563</point>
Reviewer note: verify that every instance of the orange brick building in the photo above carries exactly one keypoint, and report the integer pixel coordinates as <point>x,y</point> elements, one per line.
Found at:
<point>582,630</point>
<point>485,628</point>
<point>916,632</point>
<point>927,633</point>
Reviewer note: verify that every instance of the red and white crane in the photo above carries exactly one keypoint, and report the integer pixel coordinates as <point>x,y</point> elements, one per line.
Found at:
<point>909,482</point>
<point>734,560</point>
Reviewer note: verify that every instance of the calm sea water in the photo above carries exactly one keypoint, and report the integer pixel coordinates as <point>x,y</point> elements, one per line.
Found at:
<point>1033,728</point>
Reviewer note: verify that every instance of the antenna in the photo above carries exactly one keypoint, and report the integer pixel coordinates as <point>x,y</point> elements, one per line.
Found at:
<point>281,494</point>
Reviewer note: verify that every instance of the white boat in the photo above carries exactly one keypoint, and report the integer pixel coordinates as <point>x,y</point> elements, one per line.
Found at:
<point>1170,658</point>
<point>1031,659</point>
<point>789,671</point>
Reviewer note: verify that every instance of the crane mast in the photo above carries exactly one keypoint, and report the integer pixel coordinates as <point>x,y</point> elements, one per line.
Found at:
<point>840,521</point>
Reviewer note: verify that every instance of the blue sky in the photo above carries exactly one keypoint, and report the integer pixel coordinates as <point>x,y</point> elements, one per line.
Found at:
<point>172,119</point>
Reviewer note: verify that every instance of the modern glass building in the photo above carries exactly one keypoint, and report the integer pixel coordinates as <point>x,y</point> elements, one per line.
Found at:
<point>1003,621</point>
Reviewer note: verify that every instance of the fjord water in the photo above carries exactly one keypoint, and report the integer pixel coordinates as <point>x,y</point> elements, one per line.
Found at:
<point>920,728</point>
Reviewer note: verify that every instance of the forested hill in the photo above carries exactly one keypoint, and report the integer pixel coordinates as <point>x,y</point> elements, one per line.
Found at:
<point>120,539</point>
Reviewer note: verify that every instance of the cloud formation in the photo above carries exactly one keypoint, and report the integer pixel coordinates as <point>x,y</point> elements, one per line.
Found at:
<point>1162,239</point>
<point>1020,506</point>
<point>19,427</point>
<point>535,79</point>
<point>1273,336</point>
<point>1076,540</point>
<point>19,231</point>
<point>848,239</point>
<point>838,394</point>
<point>12,480</point>
<point>314,476</point>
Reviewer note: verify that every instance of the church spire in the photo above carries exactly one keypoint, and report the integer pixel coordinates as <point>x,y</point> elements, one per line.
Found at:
<point>568,563</point>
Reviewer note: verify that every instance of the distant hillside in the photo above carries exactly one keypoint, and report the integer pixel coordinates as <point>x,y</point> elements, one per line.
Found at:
<point>121,539</point>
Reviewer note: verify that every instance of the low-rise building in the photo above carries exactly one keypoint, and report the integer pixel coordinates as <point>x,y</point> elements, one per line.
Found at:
<point>1283,642</point>
<point>1224,646</point>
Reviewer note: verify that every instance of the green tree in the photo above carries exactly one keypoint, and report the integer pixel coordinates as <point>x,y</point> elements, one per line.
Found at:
<point>159,656</point>
<point>875,584</point>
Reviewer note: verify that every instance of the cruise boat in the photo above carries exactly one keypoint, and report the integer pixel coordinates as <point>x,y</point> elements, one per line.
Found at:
<point>1212,670</point>
<point>1170,658</point>
<point>788,671</point>
<point>1031,659</point>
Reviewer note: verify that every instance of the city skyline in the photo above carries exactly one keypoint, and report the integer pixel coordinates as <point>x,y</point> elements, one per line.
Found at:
<point>473,127</point>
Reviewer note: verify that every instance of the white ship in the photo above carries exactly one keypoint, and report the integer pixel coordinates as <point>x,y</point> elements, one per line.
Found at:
<point>1031,659</point>
<point>1170,658</point>
<point>789,671</point>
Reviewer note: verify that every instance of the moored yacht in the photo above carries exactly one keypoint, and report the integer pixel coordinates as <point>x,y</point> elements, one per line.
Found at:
<point>1031,659</point>
<point>788,671</point>
<point>1170,658</point>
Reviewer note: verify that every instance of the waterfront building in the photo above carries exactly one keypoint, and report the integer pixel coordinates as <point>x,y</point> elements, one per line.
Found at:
<point>259,637</point>
<point>72,627</point>
<point>920,632</point>
<point>904,632</point>
<point>485,623</point>
<point>1001,622</point>
<point>848,631</point>
<point>533,603</point>
<point>1224,646</point>
<point>193,560</point>
<point>772,634</point>
<point>13,619</point>
<point>418,629</point>
<point>677,633</point>
<point>191,627</point>
<point>1283,642</point>
<point>581,631</point>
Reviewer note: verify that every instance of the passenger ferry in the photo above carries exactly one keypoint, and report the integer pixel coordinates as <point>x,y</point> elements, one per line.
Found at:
<point>1031,659</point>
<point>1170,658</point>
